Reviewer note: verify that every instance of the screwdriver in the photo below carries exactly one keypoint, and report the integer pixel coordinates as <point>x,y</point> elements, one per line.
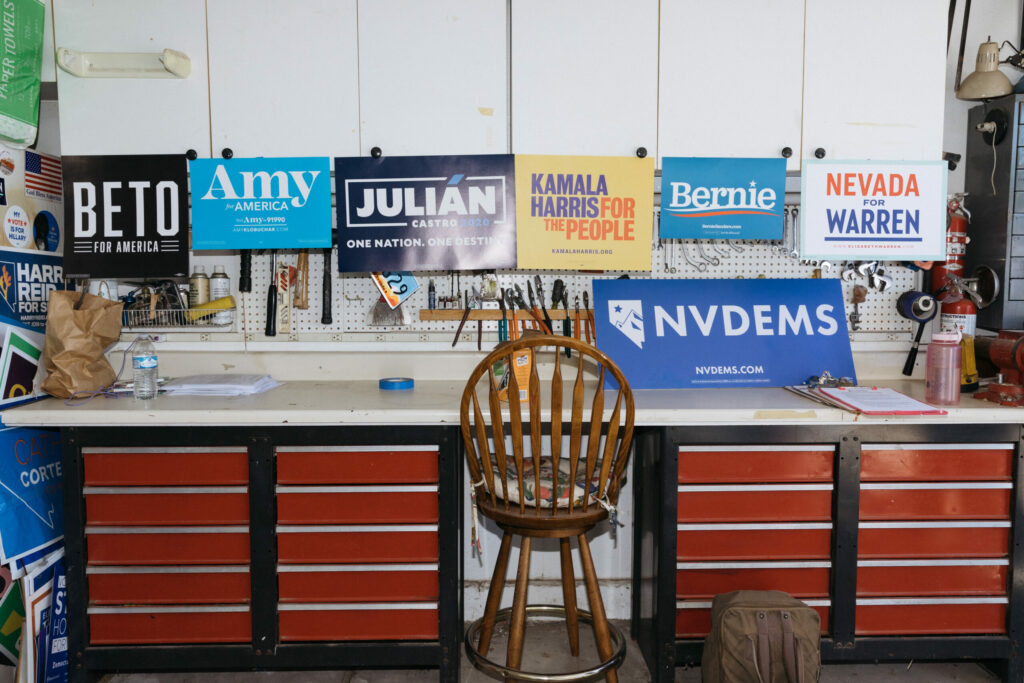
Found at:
<point>271,330</point>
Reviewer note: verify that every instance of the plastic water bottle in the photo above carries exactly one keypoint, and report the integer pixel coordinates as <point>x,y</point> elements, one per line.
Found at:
<point>144,367</point>
<point>942,371</point>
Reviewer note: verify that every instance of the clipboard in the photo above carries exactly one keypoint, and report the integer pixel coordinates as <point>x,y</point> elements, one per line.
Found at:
<point>878,401</point>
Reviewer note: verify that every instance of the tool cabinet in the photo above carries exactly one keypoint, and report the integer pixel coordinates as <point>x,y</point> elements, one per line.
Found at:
<point>228,548</point>
<point>901,536</point>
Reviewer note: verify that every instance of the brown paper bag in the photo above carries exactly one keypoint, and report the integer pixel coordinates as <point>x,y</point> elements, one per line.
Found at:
<point>75,341</point>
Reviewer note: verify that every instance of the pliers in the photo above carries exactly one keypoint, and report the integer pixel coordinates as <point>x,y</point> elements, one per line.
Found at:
<point>503,323</point>
<point>540,295</point>
<point>522,304</point>
<point>513,329</point>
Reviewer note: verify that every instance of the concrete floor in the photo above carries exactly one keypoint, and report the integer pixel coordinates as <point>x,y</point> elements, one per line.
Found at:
<point>546,650</point>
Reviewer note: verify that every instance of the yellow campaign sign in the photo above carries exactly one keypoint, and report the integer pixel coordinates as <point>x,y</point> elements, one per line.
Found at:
<point>592,213</point>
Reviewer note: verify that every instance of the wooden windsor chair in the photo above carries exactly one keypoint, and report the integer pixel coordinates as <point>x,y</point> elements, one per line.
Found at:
<point>531,491</point>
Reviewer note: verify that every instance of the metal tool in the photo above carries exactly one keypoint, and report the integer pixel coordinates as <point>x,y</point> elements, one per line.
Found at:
<point>589,322</point>
<point>513,329</point>
<point>326,317</point>
<point>576,321</point>
<point>300,295</point>
<point>530,310</point>
<point>503,323</point>
<point>271,330</point>
<point>540,295</point>
<point>533,301</point>
<point>701,267</point>
<point>462,323</point>
<point>794,252</point>
<point>857,298</point>
<point>566,323</point>
<point>713,260</point>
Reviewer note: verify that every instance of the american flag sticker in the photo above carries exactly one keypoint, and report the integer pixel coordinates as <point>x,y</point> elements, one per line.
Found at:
<point>42,174</point>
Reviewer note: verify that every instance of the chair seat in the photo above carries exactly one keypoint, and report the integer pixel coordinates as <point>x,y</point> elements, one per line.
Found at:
<point>550,482</point>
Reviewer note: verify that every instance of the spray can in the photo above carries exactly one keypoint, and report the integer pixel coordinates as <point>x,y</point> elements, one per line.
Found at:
<point>220,287</point>
<point>198,287</point>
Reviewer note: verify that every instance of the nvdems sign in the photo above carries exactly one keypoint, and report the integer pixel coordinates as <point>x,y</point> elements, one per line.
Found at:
<point>425,213</point>
<point>670,334</point>
<point>264,203</point>
<point>722,198</point>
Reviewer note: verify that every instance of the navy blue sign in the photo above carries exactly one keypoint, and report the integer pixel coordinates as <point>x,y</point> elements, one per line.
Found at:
<point>722,198</point>
<point>263,203</point>
<point>670,334</point>
<point>425,213</point>
<point>26,280</point>
<point>31,485</point>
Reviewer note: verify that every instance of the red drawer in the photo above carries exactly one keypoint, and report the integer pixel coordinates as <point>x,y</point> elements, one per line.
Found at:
<point>945,462</point>
<point>362,622</point>
<point>138,626</point>
<point>753,503</point>
<point>384,583</point>
<point>165,466</point>
<point>945,579</point>
<point>801,582</point>
<point>107,546</point>
<point>169,588</point>
<point>923,619</point>
<point>753,542</point>
<point>695,622</point>
<point>722,464</point>
<point>932,541</point>
<point>166,506</point>
<point>356,504</point>
<point>355,545</point>
<point>935,501</point>
<point>357,465</point>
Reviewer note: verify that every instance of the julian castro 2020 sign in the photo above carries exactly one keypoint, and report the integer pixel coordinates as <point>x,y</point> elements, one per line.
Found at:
<point>425,213</point>
<point>709,198</point>
<point>672,334</point>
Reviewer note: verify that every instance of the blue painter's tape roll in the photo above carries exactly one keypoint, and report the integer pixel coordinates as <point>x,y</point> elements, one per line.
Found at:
<point>396,383</point>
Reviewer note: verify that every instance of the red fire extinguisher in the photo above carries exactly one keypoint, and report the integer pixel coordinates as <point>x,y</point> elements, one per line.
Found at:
<point>956,245</point>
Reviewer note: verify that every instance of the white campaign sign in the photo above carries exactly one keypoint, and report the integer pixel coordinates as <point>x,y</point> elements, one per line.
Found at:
<point>873,210</point>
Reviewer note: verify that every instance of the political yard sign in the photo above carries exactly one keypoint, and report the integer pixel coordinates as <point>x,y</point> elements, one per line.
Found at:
<point>676,334</point>
<point>261,203</point>
<point>873,210</point>
<point>127,216</point>
<point>425,213</point>
<point>31,482</point>
<point>727,198</point>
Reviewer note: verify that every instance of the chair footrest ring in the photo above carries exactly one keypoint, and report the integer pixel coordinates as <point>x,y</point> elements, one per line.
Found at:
<point>502,673</point>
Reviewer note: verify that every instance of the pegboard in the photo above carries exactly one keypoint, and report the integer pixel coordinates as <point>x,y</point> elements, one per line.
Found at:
<point>355,295</point>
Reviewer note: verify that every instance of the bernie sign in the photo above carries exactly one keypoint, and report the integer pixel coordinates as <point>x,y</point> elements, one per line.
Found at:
<point>425,213</point>
<point>707,198</point>
<point>868,210</point>
<point>723,333</point>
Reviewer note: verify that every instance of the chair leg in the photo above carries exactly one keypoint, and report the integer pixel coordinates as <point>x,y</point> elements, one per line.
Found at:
<point>601,634</point>
<point>494,595</point>
<point>569,597</point>
<point>517,625</point>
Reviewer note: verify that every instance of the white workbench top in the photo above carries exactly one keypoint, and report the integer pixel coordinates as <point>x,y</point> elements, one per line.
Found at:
<point>435,402</point>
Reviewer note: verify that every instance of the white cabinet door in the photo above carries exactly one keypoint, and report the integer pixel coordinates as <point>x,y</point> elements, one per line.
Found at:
<point>730,79</point>
<point>284,77</point>
<point>874,78</point>
<point>133,115</point>
<point>584,76</point>
<point>433,76</point>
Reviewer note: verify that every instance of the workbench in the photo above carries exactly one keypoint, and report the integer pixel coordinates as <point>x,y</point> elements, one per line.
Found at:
<point>318,526</point>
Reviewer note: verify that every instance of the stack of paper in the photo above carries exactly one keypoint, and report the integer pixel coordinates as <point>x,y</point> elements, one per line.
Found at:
<point>220,385</point>
<point>866,400</point>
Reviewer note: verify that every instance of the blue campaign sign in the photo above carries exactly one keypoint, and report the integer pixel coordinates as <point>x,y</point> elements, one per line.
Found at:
<point>261,203</point>
<point>426,213</point>
<point>31,507</point>
<point>26,280</point>
<point>722,198</point>
<point>671,334</point>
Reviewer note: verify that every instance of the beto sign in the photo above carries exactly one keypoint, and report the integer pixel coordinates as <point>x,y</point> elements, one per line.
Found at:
<point>722,198</point>
<point>743,333</point>
<point>425,213</point>
<point>128,216</point>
